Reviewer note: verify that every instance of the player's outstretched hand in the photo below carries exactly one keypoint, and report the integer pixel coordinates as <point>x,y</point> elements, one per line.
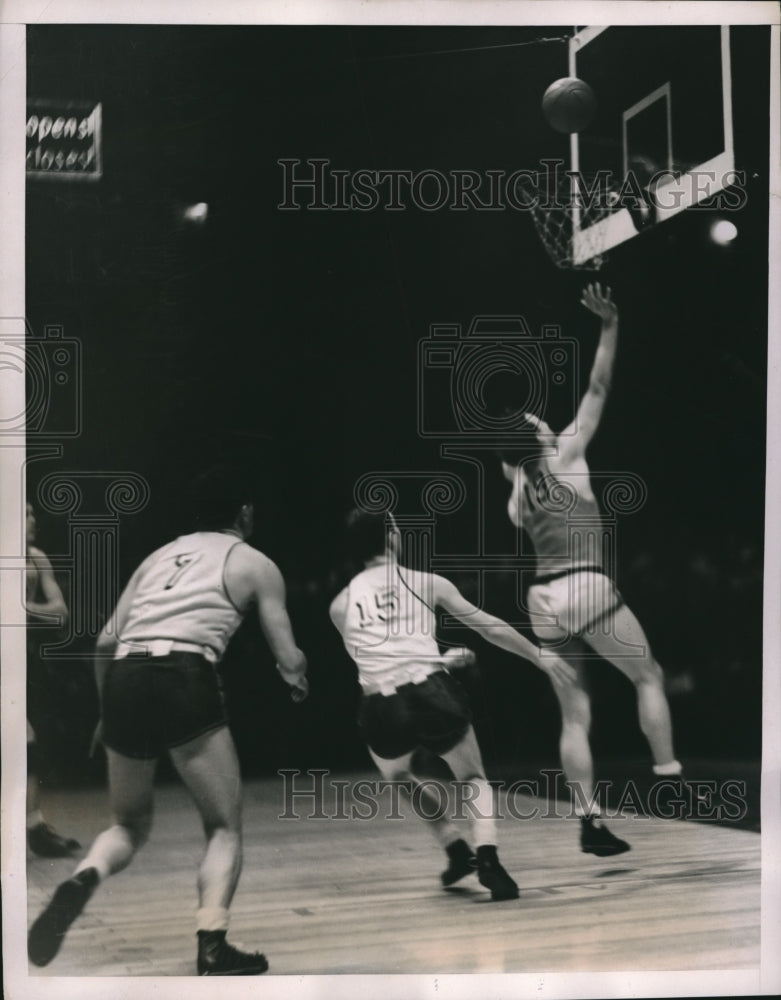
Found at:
<point>559,671</point>
<point>300,689</point>
<point>459,657</point>
<point>299,685</point>
<point>296,680</point>
<point>599,302</point>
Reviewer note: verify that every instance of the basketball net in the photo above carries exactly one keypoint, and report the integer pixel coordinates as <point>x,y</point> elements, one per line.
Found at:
<point>568,212</point>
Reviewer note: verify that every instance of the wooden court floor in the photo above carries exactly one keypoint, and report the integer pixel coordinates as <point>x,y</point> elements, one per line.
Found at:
<point>330,896</point>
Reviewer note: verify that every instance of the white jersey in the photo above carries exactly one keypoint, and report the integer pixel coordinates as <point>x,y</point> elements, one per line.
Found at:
<point>181,596</point>
<point>390,625</point>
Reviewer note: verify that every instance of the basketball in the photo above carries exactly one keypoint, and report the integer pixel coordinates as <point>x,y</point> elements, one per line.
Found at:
<point>569,104</point>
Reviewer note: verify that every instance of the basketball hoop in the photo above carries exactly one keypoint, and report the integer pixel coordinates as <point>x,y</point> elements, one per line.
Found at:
<point>565,219</point>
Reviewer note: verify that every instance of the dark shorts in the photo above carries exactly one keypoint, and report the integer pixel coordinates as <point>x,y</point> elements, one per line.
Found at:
<point>153,703</point>
<point>434,714</point>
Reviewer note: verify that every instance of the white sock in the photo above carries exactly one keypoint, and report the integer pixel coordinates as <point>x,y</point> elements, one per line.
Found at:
<point>86,863</point>
<point>664,770</point>
<point>212,918</point>
<point>111,851</point>
<point>483,821</point>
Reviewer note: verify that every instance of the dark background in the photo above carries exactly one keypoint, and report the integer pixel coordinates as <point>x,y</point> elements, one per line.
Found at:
<point>291,338</point>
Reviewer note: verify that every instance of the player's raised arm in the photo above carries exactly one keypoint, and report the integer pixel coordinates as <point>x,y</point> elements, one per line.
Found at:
<point>498,632</point>
<point>578,435</point>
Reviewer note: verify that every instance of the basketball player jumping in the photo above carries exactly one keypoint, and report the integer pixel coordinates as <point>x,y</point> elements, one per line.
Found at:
<point>45,606</point>
<point>387,618</point>
<point>572,602</point>
<point>159,691</point>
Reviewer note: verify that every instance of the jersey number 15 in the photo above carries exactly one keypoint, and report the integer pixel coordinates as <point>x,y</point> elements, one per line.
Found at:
<point>384,606</point>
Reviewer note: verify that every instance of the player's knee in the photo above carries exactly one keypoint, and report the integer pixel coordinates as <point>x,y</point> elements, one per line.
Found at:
<point>576,717</point>
<point>472,774</point>
<point>225,823</point>
<point>649,673</point>
<point>397,774</point>
<point>137,827</point>
<point>228,838</point>
<point>143,828</point>
<point>228,827</point>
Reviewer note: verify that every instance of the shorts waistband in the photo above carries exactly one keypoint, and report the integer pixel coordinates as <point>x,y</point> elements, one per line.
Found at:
<point>391,686</point>
<point>588,568</point>
<point>162,647</point>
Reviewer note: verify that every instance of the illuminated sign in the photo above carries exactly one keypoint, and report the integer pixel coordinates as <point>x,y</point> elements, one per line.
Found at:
<point>64,140</point>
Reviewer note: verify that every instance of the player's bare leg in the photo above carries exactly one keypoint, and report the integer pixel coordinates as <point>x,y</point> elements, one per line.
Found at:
<point>674,796</point>
<point>466,763</point>
<point>434,812</point>
<point>132,807</point>
<point>461,857</point>
<point>576,759</point>
<point>611,637</point>
<point>130,793</point>
<point>574,747</point>
<point>42,839</point>
<point>209,769</point>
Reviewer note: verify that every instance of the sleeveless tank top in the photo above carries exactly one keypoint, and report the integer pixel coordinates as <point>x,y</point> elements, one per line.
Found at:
<point>390,625</point>
<point>564,525</point>
<point>182,596</point>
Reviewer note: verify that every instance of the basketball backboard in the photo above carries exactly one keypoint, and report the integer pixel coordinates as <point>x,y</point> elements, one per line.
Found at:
<point>663,125</point>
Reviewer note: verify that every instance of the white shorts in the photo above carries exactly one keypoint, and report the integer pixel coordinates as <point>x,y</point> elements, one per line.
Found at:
<point>569,604</point>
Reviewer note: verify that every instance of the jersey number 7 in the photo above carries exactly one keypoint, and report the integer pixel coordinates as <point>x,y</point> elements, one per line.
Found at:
<point>182,562</point>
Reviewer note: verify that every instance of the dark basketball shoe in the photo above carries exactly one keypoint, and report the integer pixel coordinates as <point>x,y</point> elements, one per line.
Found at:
<point>218,958</point>
<point>44,841</point>
<point>462,862</point>
<point>69,899</point>
<point>493,876</point>
<point>599,840</point>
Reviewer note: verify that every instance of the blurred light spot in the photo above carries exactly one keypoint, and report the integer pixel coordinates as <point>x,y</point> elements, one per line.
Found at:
<point>196,213</point>
<point>723,232</point>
